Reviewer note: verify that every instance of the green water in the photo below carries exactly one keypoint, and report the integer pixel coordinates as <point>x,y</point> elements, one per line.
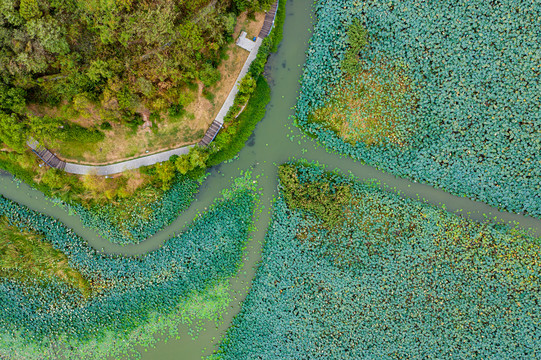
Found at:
<point>274,141</point>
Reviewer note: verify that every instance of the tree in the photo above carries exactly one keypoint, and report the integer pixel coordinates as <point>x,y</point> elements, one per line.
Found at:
<point>246,88</point>
<point>209,75</point>
<point>29,9</point>
<point>241,5</point>
<point>12,99</point>
<point>125,98</point>
<point>12,131</point>
<point>43,127</point>
<point>81,103</point>
<point>98,71</point>
<point>195,158</point>
<point>50,34</point>
<point>182,163</point>
<point>166,173</point>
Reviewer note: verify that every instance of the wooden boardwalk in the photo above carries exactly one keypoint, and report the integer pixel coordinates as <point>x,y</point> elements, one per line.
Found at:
<point>211,133</point>
<point>49,158</point>
<point>269,21</point>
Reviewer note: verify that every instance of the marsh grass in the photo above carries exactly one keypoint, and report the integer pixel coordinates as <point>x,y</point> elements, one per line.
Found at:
<point>25,256</point>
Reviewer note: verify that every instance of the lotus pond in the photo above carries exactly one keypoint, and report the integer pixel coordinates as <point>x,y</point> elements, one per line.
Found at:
<point>216,296</point>
<point>446,93</point>
<point>390,278</point>
<point>131,297</point>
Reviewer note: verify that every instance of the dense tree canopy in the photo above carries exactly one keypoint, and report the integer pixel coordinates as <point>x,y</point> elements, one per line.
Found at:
<point>114,54</point>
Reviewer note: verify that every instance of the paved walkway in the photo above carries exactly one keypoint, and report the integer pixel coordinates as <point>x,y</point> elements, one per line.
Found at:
<point>164,156</point>
<point>125,165</point>
<point>231,97</point>
<point>244,42</point>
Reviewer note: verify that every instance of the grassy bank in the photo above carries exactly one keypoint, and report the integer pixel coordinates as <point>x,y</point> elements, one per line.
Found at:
<point>232,139</point>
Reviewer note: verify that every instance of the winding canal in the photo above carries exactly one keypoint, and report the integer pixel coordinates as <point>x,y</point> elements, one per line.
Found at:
<point>274,141</point>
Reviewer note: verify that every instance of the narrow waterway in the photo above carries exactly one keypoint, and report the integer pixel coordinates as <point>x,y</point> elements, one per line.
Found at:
<point>274,141</point>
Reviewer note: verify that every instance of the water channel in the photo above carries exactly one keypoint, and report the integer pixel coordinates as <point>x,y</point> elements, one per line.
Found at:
<point>274,141</point>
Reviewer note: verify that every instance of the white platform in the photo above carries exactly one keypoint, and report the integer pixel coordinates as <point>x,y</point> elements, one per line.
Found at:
<point>244,42</point>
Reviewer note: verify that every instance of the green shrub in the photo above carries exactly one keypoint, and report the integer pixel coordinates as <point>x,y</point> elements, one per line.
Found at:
<point>132,119</point>
<point>105,125</point>
<point>176,111</point>
<point>357,40</point>
<point>209,75</point>
<point>77,133</point>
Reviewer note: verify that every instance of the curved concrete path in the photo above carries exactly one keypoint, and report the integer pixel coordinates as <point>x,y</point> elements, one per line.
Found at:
<point>125,165</point>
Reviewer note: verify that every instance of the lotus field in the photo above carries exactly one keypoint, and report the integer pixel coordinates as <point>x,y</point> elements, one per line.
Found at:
<point>137,221</point>
<point>391,278</point>
<point>445,92</point>
<point>131,297</point>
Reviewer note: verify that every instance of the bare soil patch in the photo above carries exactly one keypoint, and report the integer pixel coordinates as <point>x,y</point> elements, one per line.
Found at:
<point>252,27</point>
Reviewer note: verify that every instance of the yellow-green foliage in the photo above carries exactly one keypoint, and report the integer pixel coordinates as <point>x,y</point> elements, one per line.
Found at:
<point>24,256</point>
<point>320,198</point>
<point>367,106</point>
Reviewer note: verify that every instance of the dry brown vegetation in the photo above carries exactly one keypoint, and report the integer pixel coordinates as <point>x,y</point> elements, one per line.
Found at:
<point>367,106</point>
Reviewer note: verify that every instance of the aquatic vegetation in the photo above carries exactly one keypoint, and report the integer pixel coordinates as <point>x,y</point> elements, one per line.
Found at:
<point>130,295</point>
<point>25,256</point>
<point>396,279</point>
<point>449,98</point>
<point>324,199</point>
<point>366,107</point>
<point>132,221</point>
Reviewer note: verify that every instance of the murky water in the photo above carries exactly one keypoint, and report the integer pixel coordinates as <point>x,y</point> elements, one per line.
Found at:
<point>275,141</point>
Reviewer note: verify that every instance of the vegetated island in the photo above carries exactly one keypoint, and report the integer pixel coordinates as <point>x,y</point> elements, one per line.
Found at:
<point>445,93</point>
<point>350,271</point>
